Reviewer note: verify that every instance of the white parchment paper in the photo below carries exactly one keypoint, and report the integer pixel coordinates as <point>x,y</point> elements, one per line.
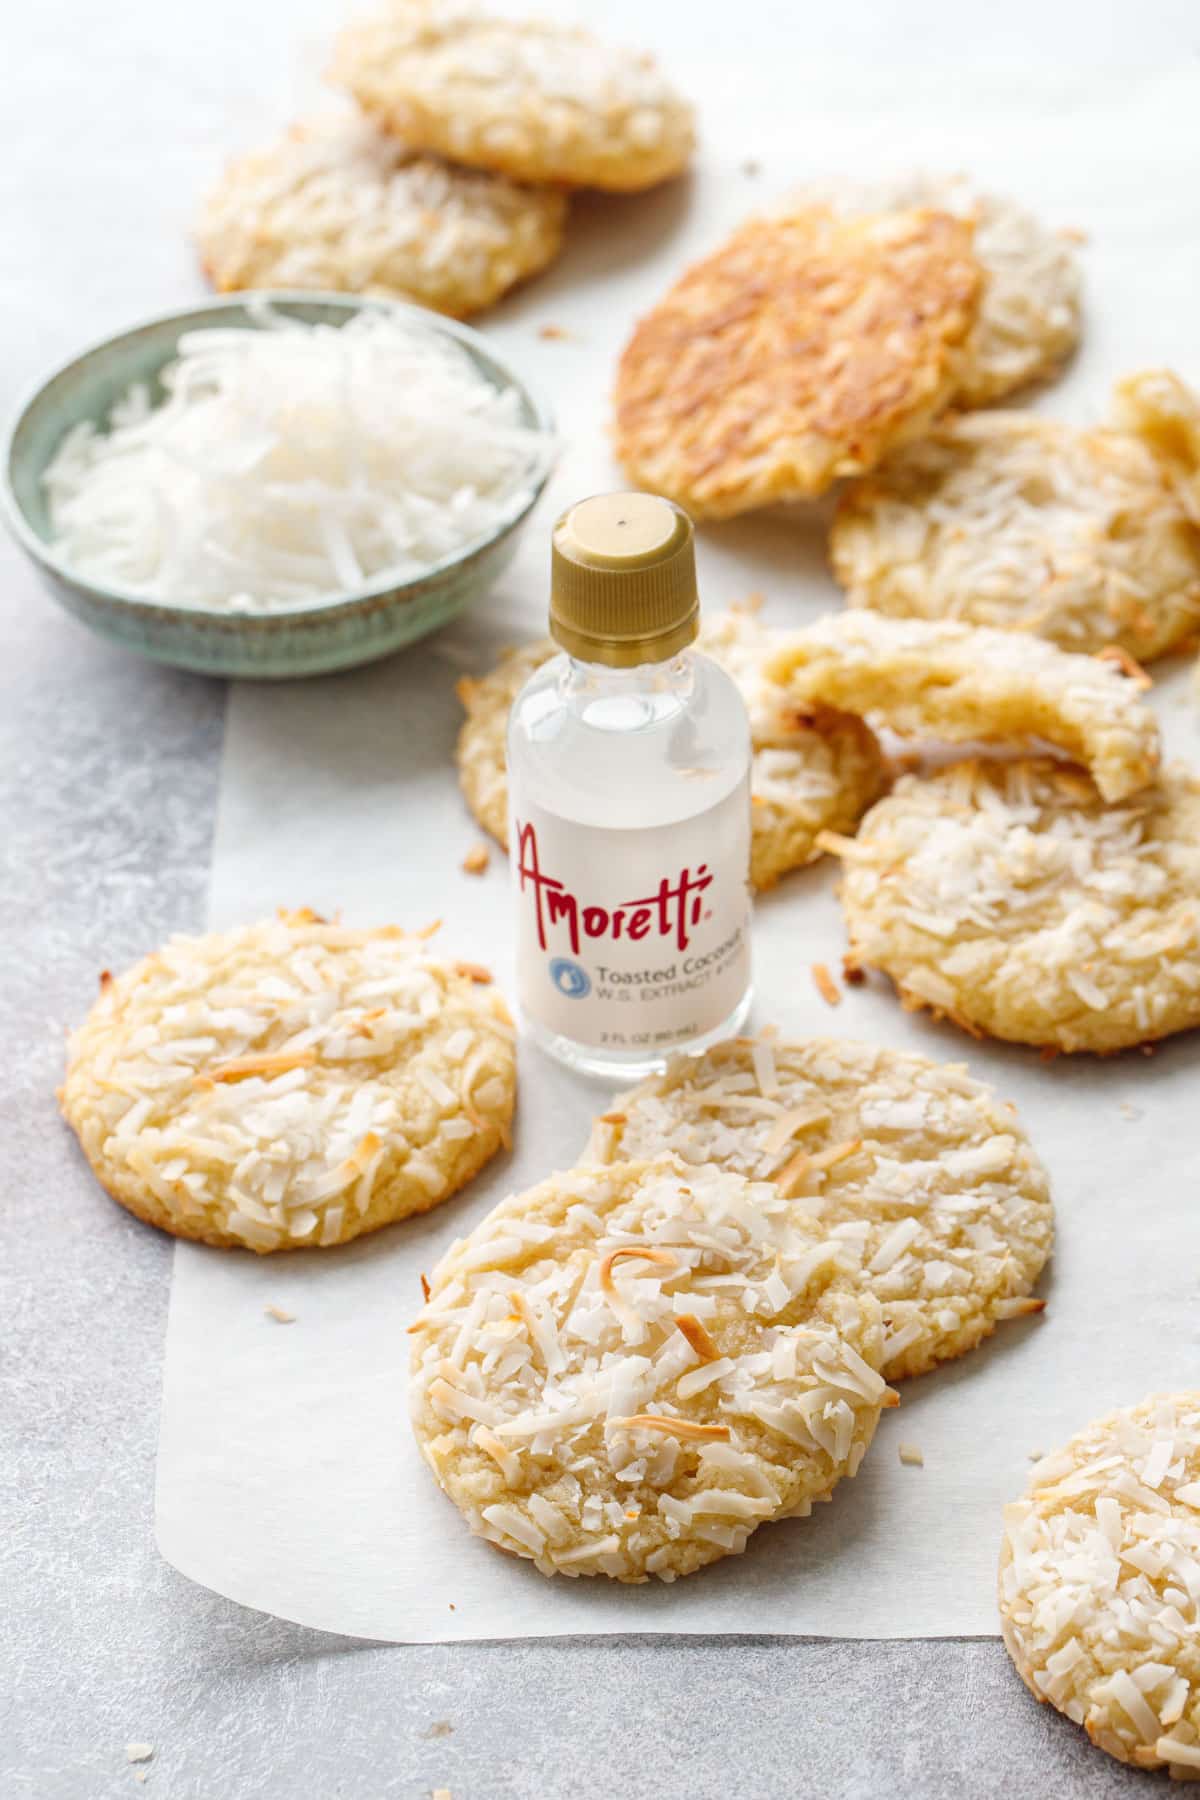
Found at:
<point>287,1476</point>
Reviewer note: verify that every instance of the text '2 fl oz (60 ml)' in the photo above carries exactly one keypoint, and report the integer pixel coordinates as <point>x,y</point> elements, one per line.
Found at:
<point>629,800</point>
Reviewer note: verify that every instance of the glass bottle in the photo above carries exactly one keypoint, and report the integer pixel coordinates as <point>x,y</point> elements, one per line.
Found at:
<point>629,805</point>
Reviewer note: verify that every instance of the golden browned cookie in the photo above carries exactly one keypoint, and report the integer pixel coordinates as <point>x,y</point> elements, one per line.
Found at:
<point>529,98</point>
<point>290,1084</point>
<point>1010,520</point>
<point>804,349</point>
<point>1012,899</point>
<point>1165,414</point>
<point>925,1181</point>
<point>627,1370</point>
<point>337,204</point>
<point>814,769</point>
<point>966,683</point>
<point>1028,321</point>
<point>1100,1583</point>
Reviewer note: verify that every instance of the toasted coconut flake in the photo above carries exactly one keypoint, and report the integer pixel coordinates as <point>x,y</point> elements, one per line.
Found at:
<point>240,1068</point>
<point>825,985</point>
<point>793,1172</point>
<point>680,1428</point>
<point>1128,665</point>
<point>473,972</point>
<point>643,1252</point>
<point>697,1337</point>
<point>1020,1308</point>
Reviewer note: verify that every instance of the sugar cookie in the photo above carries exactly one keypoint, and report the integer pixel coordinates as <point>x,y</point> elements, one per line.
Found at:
<point>1012,899</point>
<point>1100,1578</point>
<point>804,349</point>
<point>1015,521</point>
<point>531,99</point>
<point>965,683</point>
<point>626,1370</point>
<point>925,1181</point>
<point>290,1084</point>
<point>339,205</point>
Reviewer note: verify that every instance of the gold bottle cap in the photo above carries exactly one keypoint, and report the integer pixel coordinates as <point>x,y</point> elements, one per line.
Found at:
<point>623,580</point>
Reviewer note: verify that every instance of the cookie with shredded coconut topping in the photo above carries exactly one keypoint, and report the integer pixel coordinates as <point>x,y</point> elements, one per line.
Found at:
<point>1164,413</point>
<point>626,1371</point>
<point>964,683</point>
<point>290,1084</point>
<point>804,349</point>
<point>337,204</point>
<point>1028,321</point>
<point>1011,899</point>
<point>531,99</point>
<point>1100,1578</point>
<point>1025,524</point>
<point>926,1182</point>
<point>814,769</point>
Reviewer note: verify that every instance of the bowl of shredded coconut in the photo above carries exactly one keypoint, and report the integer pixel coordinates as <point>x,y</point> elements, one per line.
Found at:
<point>276,486</point>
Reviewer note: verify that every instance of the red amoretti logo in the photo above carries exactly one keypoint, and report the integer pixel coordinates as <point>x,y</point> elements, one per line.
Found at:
<point>671,911</point>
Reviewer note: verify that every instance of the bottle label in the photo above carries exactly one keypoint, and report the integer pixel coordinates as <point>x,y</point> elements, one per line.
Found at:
<point>633,940</point>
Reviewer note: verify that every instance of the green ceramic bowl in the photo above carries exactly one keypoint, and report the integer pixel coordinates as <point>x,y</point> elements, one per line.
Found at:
<point>346,629</point>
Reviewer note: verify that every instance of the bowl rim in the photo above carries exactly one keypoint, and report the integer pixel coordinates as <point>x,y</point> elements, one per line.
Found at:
<point>382,586</point>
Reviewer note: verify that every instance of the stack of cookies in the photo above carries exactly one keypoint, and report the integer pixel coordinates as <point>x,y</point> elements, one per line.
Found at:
<point>629,1369</point>
<point>449,183</point>
<point>823,336</point>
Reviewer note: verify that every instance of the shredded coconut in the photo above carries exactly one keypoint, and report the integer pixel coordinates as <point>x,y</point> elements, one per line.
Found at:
<point>289,464</point>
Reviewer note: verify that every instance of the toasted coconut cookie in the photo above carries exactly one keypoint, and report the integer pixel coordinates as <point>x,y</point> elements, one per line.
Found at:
<point>338,204</point>
<point>1099,1578</point>
<point>627,1370</point>
<point>926,1183</point>
<point>1028,319</point>
<point>1012,899</point>
<point>1009,520</point>
<point>290,1084</point>
<point>534,100</point>
<point>1165,414</point>
<point>965,683</point>
<point>814,769</point>
<point>806,348</point>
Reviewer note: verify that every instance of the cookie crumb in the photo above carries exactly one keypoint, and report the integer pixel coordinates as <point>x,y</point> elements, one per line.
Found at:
<point>139,1753</point>
<point>553,334</point>
<point>1129,1111</point>
<point>441,1728</point>
<point>910,1456</point>
<point>825,985</point>
<point>280,1315</point>
<point>476,860</point>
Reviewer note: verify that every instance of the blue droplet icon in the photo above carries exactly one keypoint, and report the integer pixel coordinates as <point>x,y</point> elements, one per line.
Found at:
<point>569,978</point>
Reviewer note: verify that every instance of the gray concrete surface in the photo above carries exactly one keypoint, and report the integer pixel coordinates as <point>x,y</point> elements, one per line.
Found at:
<point>110,771</point>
